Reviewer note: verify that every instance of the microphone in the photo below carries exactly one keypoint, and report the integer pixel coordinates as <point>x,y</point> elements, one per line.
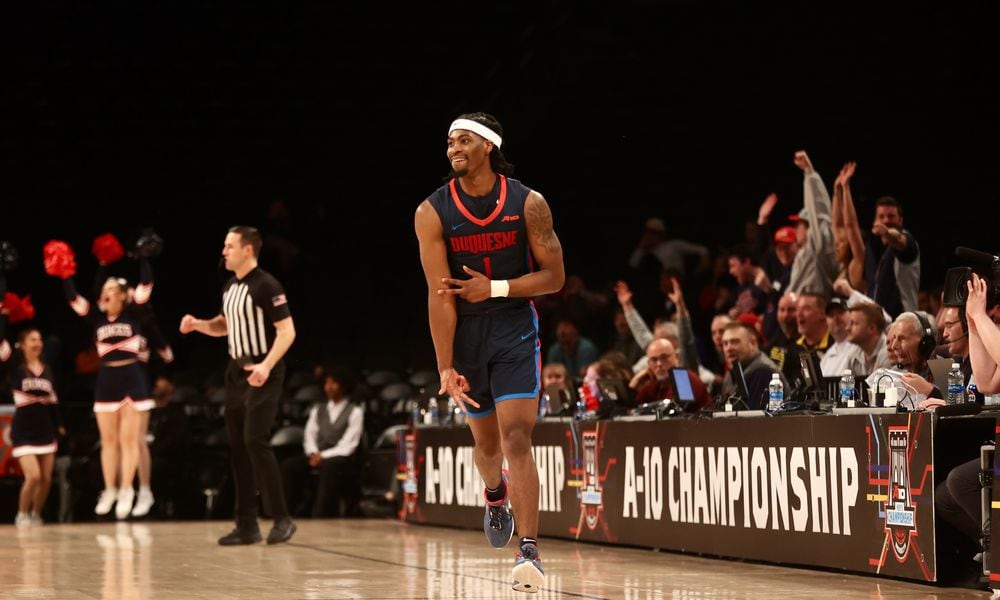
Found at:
<point>977,256</point>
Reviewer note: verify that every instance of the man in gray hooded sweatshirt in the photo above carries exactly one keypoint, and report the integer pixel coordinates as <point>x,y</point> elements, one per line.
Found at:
<point>815,267</point>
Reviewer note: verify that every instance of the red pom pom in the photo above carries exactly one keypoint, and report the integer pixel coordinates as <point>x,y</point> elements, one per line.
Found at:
<point>18,309</point>
<point>59,260</point>
<point>108,249</point>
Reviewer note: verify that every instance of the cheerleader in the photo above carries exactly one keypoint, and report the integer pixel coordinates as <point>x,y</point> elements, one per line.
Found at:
<point>36,418</point>
<point>121,394</point>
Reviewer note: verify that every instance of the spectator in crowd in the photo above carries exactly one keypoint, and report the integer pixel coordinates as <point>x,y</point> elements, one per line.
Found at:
<point>842,353</point>
<point>655,383</point>
<point>603,369</point>
<point>332,445</point>
<point>585,308</point>
<point>555,374</point>
<point>788,328</point>
<point>717,357</point>
<point>624,342</point>
<point>850,244</point>
<point>572,349</point>
<point>777,253</point>
<point>866,328</point>
<point>892,260</point>
<point>739,341</point>
<point>673,255</point>
<point>814,336</point>
<point>752,284</point>
<point>815,265</point>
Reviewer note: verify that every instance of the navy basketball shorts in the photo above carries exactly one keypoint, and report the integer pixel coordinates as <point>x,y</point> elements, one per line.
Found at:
<point>499,353</point>
<point>118,386</point>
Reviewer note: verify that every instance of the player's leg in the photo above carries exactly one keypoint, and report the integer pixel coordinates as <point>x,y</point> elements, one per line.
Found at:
<point>515,372</point>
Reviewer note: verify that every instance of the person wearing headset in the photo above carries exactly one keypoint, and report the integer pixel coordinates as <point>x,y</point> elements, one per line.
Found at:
<point>914,344</point>
<point>955,334</point>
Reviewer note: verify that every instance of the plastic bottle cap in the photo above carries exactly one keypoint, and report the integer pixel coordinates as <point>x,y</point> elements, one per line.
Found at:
<point>848,372</point>
<point>775,376</point>
<point>956,366</point>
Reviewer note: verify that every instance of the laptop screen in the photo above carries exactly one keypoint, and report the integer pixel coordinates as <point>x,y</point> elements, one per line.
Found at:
<point>682,385</point>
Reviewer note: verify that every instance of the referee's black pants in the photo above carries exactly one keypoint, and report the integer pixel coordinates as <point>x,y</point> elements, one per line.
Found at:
<point>250,413</point>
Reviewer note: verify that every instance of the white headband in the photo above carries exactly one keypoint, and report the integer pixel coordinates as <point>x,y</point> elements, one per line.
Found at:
<point>478,128</point>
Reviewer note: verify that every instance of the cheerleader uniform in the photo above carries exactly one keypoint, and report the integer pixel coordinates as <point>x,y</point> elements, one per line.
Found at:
<point>36,418</point>
<point>119,339</point>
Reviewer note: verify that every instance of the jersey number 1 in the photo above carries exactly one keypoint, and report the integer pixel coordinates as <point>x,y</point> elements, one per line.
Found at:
<point>487,267</point>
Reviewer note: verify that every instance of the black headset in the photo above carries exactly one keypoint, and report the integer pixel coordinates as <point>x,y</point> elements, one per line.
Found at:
<point>927,341</point>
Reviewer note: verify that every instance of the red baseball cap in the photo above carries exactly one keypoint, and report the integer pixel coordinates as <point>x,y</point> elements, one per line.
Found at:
<point>785,235</point>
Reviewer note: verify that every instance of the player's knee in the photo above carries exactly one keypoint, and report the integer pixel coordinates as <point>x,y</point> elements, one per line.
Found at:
<point>516,441</point>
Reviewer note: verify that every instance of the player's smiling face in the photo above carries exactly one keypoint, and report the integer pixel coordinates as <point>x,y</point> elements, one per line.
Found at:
<point>467,151</point>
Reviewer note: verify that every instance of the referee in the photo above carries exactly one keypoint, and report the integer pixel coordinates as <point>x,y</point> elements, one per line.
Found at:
<point>256,319</point>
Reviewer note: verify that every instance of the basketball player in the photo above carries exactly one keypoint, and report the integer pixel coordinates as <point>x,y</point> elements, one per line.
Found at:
<point>487,246</point>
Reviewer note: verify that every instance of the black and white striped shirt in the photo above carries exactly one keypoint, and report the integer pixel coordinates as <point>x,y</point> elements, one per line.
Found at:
<point>252,306</point>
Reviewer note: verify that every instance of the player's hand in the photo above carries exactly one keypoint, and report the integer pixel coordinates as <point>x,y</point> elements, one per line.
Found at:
<point>975,303</point>
<point>188,324</point>
<point>474,289</point>
<point>624,294</point>
<point>456,386</point>
<point>258,374</point>
<point>802,161</point>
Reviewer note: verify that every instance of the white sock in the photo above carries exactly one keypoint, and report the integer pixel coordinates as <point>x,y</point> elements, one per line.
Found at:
<point>144,489</point>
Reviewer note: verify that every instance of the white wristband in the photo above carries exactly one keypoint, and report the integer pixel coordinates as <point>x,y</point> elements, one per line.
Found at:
<point>499,288</point>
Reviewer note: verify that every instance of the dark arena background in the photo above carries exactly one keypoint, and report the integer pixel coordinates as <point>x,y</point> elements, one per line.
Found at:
<point>324,125</point>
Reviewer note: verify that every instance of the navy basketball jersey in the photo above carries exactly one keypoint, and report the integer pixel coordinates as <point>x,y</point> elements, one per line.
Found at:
<point>486,234</point>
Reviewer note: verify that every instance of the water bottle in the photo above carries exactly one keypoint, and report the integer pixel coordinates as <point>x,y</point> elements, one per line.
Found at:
<point>543,406</point>
<point>581,405</point>
<point>956,384</point>
<point>452,407</point>
<point>847,389</point>
<point>415,412</point>
<point>431,418</point>
<point>775,393</point>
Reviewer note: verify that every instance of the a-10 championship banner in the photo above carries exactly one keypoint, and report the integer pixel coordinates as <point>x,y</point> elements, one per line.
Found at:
<point>852,492</point>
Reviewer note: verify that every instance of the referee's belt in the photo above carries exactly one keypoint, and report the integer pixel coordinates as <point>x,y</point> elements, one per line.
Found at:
<point>249,360</point>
